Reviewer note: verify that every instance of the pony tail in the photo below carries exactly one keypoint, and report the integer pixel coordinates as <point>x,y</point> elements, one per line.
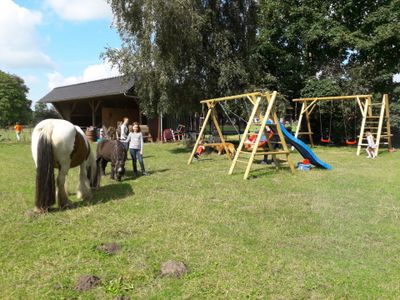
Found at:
<point>45,185</point>
<point>93,171</point>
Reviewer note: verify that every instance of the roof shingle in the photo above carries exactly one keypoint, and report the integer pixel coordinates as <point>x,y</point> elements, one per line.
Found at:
<point>91,89</point>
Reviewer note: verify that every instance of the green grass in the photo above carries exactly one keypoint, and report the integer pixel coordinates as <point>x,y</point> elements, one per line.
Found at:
<point>318,234</point>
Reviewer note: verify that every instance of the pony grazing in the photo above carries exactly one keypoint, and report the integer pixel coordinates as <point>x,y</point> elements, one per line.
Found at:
<point>115,152</point>
<point>59,144</point>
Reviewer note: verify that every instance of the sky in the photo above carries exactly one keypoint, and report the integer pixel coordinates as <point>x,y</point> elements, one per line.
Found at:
<point>50,43</point>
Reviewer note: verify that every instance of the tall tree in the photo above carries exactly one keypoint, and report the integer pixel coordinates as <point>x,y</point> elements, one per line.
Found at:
<point>42,112</point>
<point>181,51</point>
<point>14,106</point>
<point>354,43</point>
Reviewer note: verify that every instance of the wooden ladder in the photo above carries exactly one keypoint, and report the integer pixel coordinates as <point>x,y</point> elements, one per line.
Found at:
<point>270,114</point>
<point>376,119</point>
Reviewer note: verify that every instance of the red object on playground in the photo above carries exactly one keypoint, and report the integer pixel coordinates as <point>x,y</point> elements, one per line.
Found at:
<point>325,140</point>
<point>168,135</point>
<point>200,149</point>
<point>306,161</point>
<point>348,142</point>
<point>253,137</point>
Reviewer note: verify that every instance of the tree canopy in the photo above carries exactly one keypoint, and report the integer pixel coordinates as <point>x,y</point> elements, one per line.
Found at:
<point>181,51</point>
<point>42,112</point>
<point>14,106</point>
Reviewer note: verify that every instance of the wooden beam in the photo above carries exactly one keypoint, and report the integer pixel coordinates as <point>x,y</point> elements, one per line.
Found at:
<point>331,98</point>
<point>231,97</point>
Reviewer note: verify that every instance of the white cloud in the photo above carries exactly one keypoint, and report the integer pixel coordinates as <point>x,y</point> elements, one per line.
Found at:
<point>30,79</point>
<point>92,72</point>
<point>81,10</point>
<point>19,42</point>
<point>396,77</point>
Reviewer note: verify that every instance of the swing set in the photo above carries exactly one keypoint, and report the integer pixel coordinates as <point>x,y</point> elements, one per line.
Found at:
<point>260,102</point>
<point>375,118</point>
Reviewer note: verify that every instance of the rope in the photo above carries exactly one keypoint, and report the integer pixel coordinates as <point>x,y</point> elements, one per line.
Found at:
<point>330,124</point>
<point>230,120</point>
<point>344,121</point>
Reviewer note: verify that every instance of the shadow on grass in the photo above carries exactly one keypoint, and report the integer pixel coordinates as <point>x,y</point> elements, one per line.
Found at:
<point>105,194</point>
<point>181,150</point>
<point>129,174</point>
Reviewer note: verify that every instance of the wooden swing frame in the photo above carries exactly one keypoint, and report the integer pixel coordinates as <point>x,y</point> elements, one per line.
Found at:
<point>365,105</point>
<point>256,99</point>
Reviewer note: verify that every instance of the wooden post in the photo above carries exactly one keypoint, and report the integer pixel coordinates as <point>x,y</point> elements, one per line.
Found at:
<point>389,133</point>
<point>210,109</point>
<point>309,129</point>
<point>283,142</point>
<point>220,133</point>
<point>361,136</point>
<point>92,108</point>
<point>259,135</point>
<point>245,133</point>
<point>296,135</point>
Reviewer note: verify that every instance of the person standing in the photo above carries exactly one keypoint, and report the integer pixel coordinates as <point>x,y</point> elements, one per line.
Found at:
<point>135,141</point>
<point>124,132</point>
<point>371,148</point>
<point>18,131</point>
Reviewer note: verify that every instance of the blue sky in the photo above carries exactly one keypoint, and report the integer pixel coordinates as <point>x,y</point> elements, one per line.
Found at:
<point>55,42</point>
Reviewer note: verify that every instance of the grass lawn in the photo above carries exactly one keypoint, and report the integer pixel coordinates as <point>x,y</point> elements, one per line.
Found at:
<point>318,234</point>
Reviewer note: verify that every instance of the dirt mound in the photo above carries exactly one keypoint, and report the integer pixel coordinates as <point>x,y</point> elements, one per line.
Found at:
<point>122,298</point>
<point>173,268</point>
<point>110,248</point>
<point>87,282</point>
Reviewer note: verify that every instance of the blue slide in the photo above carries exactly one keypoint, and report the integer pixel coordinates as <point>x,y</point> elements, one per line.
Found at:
<point>303,149</point>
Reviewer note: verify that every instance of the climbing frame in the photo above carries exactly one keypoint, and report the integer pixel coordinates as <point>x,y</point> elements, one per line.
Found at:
<point>376,119</point>
<point>258,100</point>
<point>269,116</point>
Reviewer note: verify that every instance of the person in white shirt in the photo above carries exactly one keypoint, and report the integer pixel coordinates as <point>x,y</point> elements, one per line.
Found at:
<point>124,132</point>
<point>371,148</point>
<point>135,141</point>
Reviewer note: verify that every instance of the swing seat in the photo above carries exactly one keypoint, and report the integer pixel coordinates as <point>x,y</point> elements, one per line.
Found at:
<point>349,142</point>
<point>260,144</point>
<point>326,141</point>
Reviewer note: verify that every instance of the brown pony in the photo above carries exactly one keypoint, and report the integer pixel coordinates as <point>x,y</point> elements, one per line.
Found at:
<point>113,151</point>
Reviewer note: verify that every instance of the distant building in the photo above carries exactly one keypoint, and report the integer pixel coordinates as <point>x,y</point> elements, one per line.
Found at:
<point>100,102</point>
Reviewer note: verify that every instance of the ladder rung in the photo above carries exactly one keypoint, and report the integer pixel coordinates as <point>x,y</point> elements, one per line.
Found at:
<point>274,152</point>
<point>305,132</point>
<point>246,152</point>
<point>386,135</point>
<point>373,117</point>
<point>242,161</point>
<point>375,104</point>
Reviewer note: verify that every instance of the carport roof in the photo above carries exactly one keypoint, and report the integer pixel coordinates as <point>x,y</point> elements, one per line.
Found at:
<point>91,89</point>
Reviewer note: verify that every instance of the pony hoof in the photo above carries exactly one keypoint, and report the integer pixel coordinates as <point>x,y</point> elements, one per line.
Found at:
<point>67,205</point>
<point>36,212</point>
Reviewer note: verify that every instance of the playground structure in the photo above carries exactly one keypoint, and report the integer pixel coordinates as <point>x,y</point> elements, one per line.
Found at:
<point>375,118</point>
<point>259,101</point>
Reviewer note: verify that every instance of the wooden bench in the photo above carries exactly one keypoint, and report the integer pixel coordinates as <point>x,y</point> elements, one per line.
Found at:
<point>146,133</point>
